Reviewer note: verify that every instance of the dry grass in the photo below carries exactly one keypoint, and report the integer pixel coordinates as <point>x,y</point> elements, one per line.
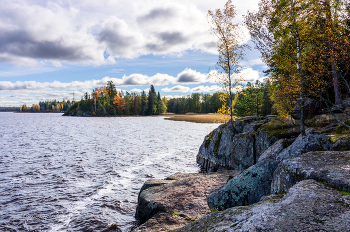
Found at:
<point>198,118</point>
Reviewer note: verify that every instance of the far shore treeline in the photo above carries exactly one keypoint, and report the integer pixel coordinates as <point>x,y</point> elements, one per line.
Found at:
<point>106,101</point>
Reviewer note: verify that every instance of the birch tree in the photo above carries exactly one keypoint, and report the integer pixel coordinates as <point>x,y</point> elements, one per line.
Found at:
<point>229,49</point>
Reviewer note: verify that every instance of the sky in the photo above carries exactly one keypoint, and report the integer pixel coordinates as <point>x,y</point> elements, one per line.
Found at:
<point>50,49</point>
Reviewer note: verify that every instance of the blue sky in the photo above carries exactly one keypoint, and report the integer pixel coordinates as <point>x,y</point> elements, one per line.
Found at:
<point>48,49</point>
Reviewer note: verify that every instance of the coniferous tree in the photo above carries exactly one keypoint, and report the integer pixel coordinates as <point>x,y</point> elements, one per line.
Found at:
<point>143,103</point>
<point>152,107</point>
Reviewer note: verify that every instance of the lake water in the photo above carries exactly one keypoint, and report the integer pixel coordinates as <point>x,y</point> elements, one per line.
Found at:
<point>83,174</point>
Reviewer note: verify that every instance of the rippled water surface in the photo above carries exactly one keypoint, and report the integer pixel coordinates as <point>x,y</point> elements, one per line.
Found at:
<point>83,174</point>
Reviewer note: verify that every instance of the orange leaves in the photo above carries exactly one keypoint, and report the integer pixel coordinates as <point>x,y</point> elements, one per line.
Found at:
<point>119,103</point>
<point>99,92</point>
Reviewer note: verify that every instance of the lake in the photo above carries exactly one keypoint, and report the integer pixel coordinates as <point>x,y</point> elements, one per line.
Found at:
<point>84,173</point>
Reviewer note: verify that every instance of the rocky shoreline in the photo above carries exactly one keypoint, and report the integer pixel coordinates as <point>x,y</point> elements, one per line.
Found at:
<point>260,175</point>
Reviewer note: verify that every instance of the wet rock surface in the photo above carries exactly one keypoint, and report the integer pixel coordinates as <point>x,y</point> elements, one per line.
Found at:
<point>184,194</point>
<point>308,206</point>
<point>329,167</point>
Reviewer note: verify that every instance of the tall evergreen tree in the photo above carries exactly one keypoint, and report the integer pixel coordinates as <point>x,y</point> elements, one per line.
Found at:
<point>112,92</point>
<point>152,101</point>
<point>143,103</point>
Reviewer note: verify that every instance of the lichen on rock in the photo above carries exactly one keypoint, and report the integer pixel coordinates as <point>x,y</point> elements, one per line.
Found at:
<point>246,188</point>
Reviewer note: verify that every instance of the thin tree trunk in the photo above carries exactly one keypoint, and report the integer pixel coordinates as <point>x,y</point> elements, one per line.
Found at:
<point>333,60</point>
<point>230,84</point>
<point>336,83</point>
<point>302,116</point>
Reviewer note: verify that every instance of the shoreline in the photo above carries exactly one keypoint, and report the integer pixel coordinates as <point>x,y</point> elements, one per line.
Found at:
<point>196,118</point>
<point>280,171</point>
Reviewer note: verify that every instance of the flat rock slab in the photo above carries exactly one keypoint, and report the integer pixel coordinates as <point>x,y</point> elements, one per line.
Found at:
<point>330,167</point>
<point>308,206</point>
<point>162,222</point>
<point>185,194</point>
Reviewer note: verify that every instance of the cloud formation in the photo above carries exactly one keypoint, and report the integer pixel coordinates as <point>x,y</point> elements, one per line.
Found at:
<point>188,76</point>
<point>201,89</point>
<point>86,32</point>
<point>177,88</point>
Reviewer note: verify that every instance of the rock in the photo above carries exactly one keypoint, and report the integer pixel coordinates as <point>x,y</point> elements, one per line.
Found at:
<point>238,149</point>
<point>308,206</point>
<point>253,126</point>
<point>208,157</point>
<point>271,132</point>
<point>303,144</point>
<point>155,182</point>
<point>162,222</point>
<point>273,151</point>
<point>311,108</point>
<point>263,141</point>
<point>324,119</point>
<point>182,193</point>
<point>330,167</point>
<point>342,145</point>
<point>215,153</point>
<point>245,189</point>
<point>329,128</point>
<point>242,154</point>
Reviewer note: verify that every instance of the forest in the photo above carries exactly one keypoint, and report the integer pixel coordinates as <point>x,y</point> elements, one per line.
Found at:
<point>305,45</point>
<point>106,100</point>
<point>47,107</point>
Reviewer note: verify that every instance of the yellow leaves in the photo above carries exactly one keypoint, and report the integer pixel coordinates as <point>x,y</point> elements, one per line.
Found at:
<point>224,112</point>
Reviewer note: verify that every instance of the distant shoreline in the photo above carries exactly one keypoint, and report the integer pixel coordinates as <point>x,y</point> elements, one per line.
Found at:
<point>190,117</point>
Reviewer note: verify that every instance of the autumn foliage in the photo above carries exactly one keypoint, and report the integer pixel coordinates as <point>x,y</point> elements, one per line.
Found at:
<point>119,104</point>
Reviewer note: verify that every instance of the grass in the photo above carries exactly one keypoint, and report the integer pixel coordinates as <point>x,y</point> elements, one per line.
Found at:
<point>343,192</point>
<point>198,118</point>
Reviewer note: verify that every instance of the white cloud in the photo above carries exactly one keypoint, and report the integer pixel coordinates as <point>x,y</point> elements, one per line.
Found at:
<point>136,91</point>
<point>189,76</point>
<point>256,62</point>
<point>201,89</point>
<point>175,96</point>
<point>86,31</point>
<point>177,88</point>
<point>249,75</point>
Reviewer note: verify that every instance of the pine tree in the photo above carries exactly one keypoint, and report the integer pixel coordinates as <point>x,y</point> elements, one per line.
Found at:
<point>143,103</point>
<point>152,107</point>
